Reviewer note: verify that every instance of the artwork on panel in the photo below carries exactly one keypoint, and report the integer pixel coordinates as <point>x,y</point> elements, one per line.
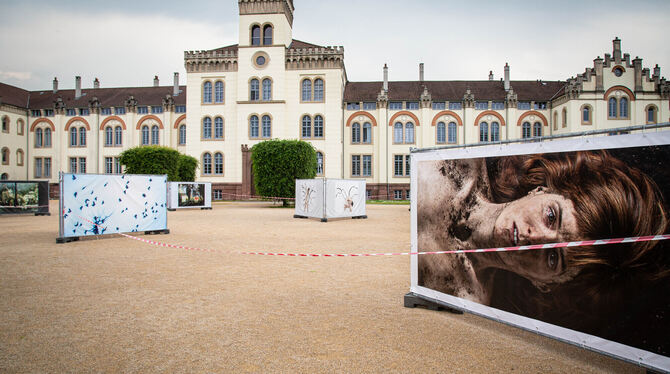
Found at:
<point>24,197</point>
<point>618,292</point>
<point>191,195</point>
<point>105,204</point>
<point>345,198</point>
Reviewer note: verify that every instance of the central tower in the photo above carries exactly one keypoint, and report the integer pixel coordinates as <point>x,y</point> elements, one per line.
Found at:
<point>266,22</point>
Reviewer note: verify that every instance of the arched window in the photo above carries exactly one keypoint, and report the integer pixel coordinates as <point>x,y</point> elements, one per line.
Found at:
<point>182,135</point>
<point>306,90</point>
<point>19,127</point>
<point>19,157</point>
<point>611,107</point>
<point>367,133</point>
<point>306,126</point>
<point>206,128</point>
<point>586,115</point>
<point>267,89</point>
<point>38,138</point>
<point>254,90</point>
<point>218,163</point>
<point>537,130</point>
<point>218,92</point>
<point>319,163</point>
<point>253,126</point>
<point>441,133</point>
<point>651,114</point>
<point>145,135</point>
<point>47,137</point>
<point>267,127</point>
<point>397,132</point>
<point>267,35</point>
<point>409,132</point>
<point>73,136</point>
<point>154,135</point>
<point>218,128</point>
<point>5,124</point>
<point>525,130</point>
<point>452,132</point>
<point>623,108</point>
<point>82,136</point>
<point>483,132</point>
<point>5,156</point>
<point>207,92</point>
<point>207,164</point>
<point>4,176</point>
<point>118,135</point>
<point>255,35</point>
<point>109,136</point>
<point>495,132</point>
<point>356,133</point>
<point>318,126</point>
<point>564,120</point>
<point>318,89</point>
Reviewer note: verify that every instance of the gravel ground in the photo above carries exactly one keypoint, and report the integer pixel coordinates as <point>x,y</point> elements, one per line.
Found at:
<point>118,305</point>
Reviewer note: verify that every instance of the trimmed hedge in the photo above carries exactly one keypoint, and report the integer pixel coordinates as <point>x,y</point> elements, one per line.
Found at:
<point>278,163</point>
<point>159,160</point>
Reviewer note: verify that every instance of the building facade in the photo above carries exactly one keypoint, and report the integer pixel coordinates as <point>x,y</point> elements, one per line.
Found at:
<point>270,85</point>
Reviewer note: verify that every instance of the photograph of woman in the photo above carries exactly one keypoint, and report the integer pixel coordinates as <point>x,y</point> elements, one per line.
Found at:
<point>618,292</point>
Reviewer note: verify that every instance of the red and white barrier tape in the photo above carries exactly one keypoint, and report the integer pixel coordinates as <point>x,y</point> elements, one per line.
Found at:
<point>258,197</point>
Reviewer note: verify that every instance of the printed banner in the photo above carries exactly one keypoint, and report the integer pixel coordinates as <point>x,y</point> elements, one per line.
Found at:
<point>189,195</point>
<point>612,298</point>
<point>24,197</point>
<point>309,197</point>
<point>94,204</point>
<point>345,198</point>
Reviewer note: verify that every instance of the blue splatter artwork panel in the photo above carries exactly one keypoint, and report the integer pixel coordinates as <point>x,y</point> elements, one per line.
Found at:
<point>95,204</point>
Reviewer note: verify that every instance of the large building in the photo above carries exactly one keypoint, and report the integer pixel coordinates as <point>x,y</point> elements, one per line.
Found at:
<point>270,85</point>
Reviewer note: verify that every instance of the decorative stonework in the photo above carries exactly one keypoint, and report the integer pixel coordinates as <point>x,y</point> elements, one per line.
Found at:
<point>94,105</point>
<point>468,99</point>
<point>210,61</point>
<point>511,100</point>
<point>59,106</point>
<point>168,103</point>
<point>426,99</point>
<point>267,7</point>
<point>315,58</point>
<point>130,104</point>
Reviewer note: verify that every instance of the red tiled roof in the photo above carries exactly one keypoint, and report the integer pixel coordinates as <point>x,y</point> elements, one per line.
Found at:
<point>14,96</point>
<point>233,47</point>
<point>109,97</point>
<point>297,44</point>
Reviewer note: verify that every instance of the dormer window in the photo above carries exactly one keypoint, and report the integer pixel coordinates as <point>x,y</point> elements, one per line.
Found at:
<point>255,35</point>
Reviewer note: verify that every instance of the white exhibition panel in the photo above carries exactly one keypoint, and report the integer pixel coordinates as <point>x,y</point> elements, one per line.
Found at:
<point>183,195</point>
<point>628,353</point>
<point>96,204</point>
<point>329,198</point>
<point>309,197</point>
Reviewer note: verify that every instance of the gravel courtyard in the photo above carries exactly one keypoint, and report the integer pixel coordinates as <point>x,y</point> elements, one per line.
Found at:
<point>118,305</point>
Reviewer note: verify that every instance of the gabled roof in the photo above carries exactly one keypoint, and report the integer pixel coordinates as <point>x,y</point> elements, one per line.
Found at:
<point>297,44</point>
<point>15,96</point>
<point>108,97</point>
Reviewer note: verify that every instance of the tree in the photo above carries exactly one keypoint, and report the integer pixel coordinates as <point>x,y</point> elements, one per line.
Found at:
<point>159,160</point>
<point>278,163</point>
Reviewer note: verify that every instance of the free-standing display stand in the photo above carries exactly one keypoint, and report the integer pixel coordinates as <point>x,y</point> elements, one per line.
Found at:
<point>329,198</point>
<point>184,195</point>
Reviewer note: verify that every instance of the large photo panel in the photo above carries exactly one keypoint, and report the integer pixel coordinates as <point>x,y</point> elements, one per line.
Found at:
<point>611,298</point>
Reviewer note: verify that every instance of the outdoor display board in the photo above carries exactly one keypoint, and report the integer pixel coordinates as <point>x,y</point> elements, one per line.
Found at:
<point>189,195</point>
<point>329,198</point>
<point>612,299</point>
<point>24,197</point>
<point>96,204</point>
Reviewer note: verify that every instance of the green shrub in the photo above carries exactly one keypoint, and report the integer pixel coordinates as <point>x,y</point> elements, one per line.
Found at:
<point>278,163</point>
<point>159,160</point>
<point>186,168</point>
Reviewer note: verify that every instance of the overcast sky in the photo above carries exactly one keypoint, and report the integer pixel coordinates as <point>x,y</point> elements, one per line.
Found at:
<point>125,43</point>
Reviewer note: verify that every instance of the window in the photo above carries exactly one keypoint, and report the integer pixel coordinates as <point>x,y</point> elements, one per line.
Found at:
<point>142,110</point>
<point>70,112</point>
<point>218,163</point>
<point>618,71</point>
<point>651,114</point>
<point>109,165</point>
<point>367,165</point>
<point>369,106</point>
<point>82,165</point>
<point>106,111</point>
<point>145,135</point>
<point>156,109</point>
<point>395,105</point>
<point>407,194</point>
<point>397,194</point>
<point>267,89</point>
<point>118,136</point>
<point>356,133</point>
<point>540,105</point>
<point>523,105</point>
<point>254,94</point>
<point>82,136</point>
<point>38,138</point>
<point>481,105</point>
<point>218,128</point>
<point>318,126</point>
<point>47,167</point>
<point>109,136</point>
<point>537,130</point>
<point>401,166</point>
<point>206,128</point>
<point>367,133</point>
<point>217,195</point>
<point>182,135</point>
<point>19,127</point>
<point>5,156</point>
<point>497,105</point>
<point>306,90</point>
<point>19,157</point>
<point>42,167</point>
<point>439,106</point>
<point>353,106</point>
<point>267,126</point>
<point>83,112</point>
<point>5,124</point>
<point>452,132</point>
<point>117,165</point>
<point>483,132</point>
<point>306,127</point>
<point>253,126</point>
<point>73,136</point>
<point>218,92</point>
<point>180,109</point>
<point>441,133</point>
<point>457,105</point>
<point>154,135</point>
<point>397,132</point>
<point>586,115</point>
<point>73,165</point>
<point>409,132</point>
<point>37,112</point>
<point>267,35</point>
<point>368,194</point>
<point>565,118</point>
<point>555,120</point>
<point>47,137</point>
<point>611,107</point>
<point>49,112</point>
<point>207,164</point>
<point>313,91</point>
<point>623,108</point>
<point>355,166</point>
<point>495,131</point>
<point>318,89</point>
<point>255,35</point>
<point>319,163</point>
<point>38,167</point>
<point>412,105</point>
<point>120,110</point>
<point>260,60</point>
<point>525,130</point>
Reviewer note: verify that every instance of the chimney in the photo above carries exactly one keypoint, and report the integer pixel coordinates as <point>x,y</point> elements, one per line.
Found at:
<point>155,80</point>
<point>421,72</point>
<point>55,84</point>
<point>506,84</point>
<point>96,83</point>
<point>77,87</point>
<point>616,52</point>
<point>175,91</point>
<point>386,78</point>
<point>490,75</point>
